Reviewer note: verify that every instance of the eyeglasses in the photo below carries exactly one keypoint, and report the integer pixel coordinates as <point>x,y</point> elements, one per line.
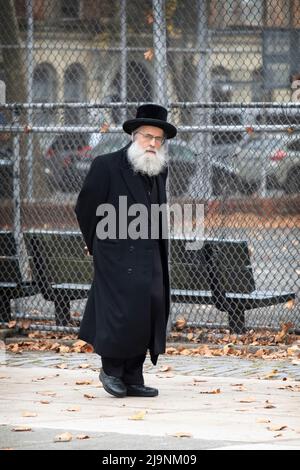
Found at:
<point>159,140</point>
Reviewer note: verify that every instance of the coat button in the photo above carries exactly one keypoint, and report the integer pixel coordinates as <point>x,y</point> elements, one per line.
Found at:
<point>129,270</point>
<point>131,248</point>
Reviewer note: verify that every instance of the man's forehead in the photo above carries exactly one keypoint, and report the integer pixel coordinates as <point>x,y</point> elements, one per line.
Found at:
<point>156,131</point>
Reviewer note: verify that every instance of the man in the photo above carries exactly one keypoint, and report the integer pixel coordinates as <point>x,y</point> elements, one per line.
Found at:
<point>128,305</point>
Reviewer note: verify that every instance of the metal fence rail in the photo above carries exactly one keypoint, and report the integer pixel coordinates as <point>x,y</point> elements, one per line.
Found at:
<point>227,72</point>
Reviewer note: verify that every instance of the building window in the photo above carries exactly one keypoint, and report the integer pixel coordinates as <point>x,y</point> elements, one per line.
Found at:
<point>70,8</point>
<point>139,87</point>
<point>231,13</point>
<point>75,92</point>
<point>44,90</point>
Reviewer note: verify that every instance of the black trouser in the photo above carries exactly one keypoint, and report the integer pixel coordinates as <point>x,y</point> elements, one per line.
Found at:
<point>129,370</point>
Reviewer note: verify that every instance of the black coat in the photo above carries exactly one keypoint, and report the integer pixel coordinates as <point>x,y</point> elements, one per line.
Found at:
<point>117,319</point>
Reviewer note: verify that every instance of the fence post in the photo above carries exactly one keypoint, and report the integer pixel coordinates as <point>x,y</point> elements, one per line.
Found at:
<point>160,52</point>
<point>29,73</point>
<point>123,25</point>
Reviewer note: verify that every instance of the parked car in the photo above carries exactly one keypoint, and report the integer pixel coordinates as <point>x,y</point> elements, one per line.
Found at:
<point>58,159</point>
<point>69,158</point>
<point>273,159</point>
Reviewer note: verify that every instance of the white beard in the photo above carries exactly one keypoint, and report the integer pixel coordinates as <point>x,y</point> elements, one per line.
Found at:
<point>147,162</point>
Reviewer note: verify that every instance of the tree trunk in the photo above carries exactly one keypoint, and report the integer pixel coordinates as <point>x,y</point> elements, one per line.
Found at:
<point>12,56</point>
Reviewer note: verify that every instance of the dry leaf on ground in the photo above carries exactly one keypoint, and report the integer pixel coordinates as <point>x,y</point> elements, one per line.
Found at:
<point>82,436</point>
<point>165,368</point>
<point>62,366</point>
<point>21,429</point>
<point>65,437</point>
<point>212,392</point>
<point>47,393</point>
<point>29,414</point>
<point>83,382</point>
<point>74,408</point>
<point>247,400</point>
<point>182,434</point>
<point>276,428</point>
<point>138,416</point>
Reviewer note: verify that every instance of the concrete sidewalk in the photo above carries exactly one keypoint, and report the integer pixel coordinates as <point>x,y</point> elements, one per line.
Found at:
<point>192,411</point>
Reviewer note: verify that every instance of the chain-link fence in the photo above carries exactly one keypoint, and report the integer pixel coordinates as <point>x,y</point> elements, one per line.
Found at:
<point>227,71</point>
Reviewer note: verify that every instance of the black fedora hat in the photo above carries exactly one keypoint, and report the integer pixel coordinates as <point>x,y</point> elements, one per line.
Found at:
<point>151,115</point>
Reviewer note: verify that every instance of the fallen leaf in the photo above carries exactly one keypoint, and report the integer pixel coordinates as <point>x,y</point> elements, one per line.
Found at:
<point>182,434</point>
<point>269,407</point>
<point>271,374</point>
<point>285,327</point>
<point>277,428</point>
<point>86,395</point>
<point>29,414</point>
<point>46,393</point>
<point>83,382</point>
<point>212,392</point>
<point>265,421</point>
<point>37,379</point>
<point>150,18</point>
<point>149,54</point>
<point>138,416</point>
<point>104,128</point>
<point>45,402</point>
<point>25,324</point>
<point>21,429</point>
<point>64,349</point>
<point>82,436</point>
<point>74,408</point>
<point>247,400</point>
<point>84,366</point>
<point>180,323</point>
<point>62,366</point>
<point>165,368</point>
<point>186,352</point>
<point>65,437</point>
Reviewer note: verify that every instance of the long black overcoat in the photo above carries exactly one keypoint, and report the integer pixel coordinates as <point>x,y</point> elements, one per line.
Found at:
<point>117,320</point>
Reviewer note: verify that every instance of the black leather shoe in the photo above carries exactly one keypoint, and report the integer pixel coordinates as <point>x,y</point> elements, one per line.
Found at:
<point>113,385</point>
<point>141,391</point>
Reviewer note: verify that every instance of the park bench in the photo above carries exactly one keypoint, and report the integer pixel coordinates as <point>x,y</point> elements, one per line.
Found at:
<point>61,268</point>
<point>219,273</point>
<point>12,283</point>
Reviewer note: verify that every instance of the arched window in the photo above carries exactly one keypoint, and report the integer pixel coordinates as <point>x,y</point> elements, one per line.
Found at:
<point>74,92</point>
<point>139,87</point>
<point>44,90</point>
